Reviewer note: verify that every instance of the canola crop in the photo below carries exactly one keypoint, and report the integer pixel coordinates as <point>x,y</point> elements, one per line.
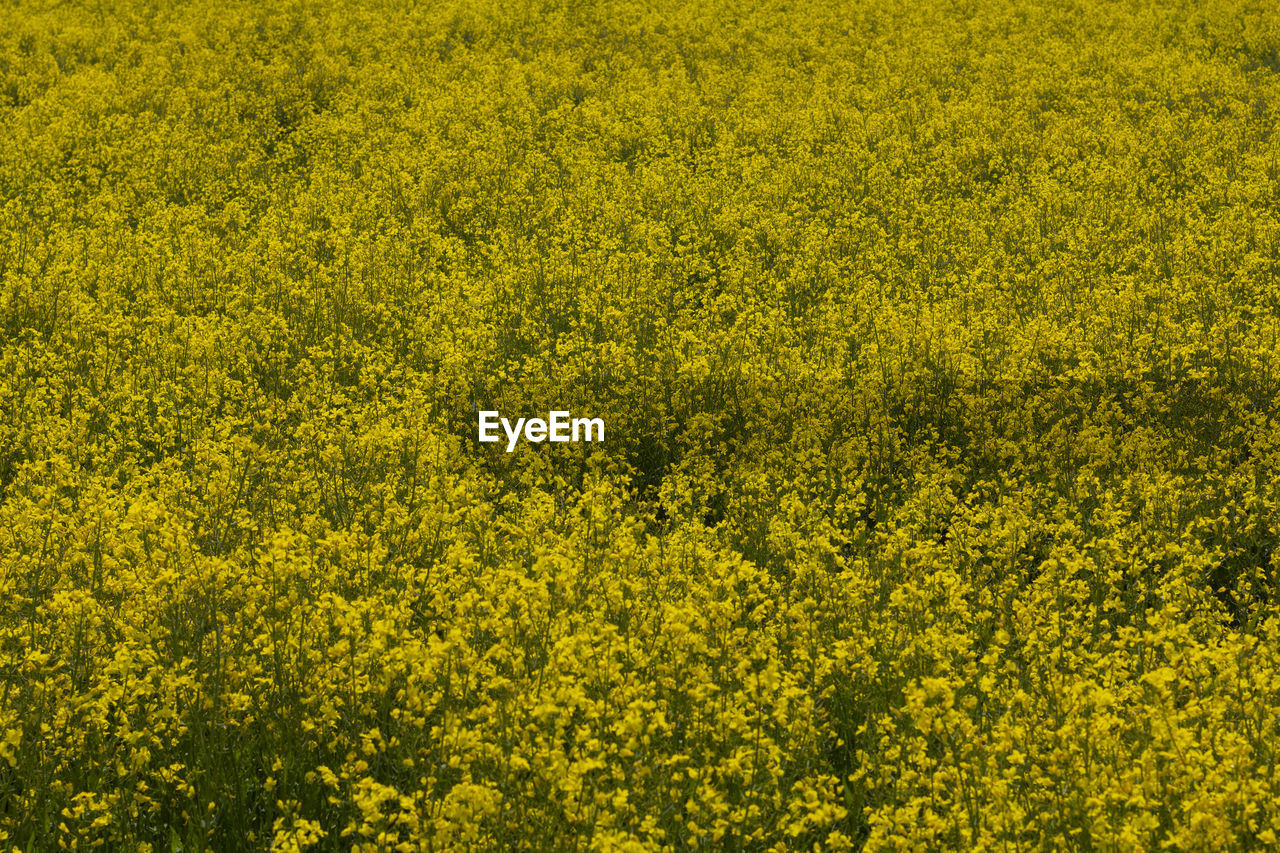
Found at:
<point>937,348</point>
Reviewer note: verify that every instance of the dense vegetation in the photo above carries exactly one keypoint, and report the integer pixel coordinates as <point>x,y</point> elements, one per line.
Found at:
<point>937,344</point>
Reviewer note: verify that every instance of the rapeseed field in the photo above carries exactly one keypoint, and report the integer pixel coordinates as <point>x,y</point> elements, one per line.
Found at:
<point>934,346</point>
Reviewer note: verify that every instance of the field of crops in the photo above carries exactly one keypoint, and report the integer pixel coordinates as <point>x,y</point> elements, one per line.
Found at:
<point>937,348</point>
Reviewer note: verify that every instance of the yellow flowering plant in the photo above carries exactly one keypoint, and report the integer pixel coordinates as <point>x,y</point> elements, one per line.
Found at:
<point>934,348</point>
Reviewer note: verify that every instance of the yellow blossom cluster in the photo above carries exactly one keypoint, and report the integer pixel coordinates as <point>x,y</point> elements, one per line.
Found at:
<point>937,347</point>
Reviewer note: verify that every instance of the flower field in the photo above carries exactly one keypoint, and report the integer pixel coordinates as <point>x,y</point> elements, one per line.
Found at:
<point>937,345</point>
